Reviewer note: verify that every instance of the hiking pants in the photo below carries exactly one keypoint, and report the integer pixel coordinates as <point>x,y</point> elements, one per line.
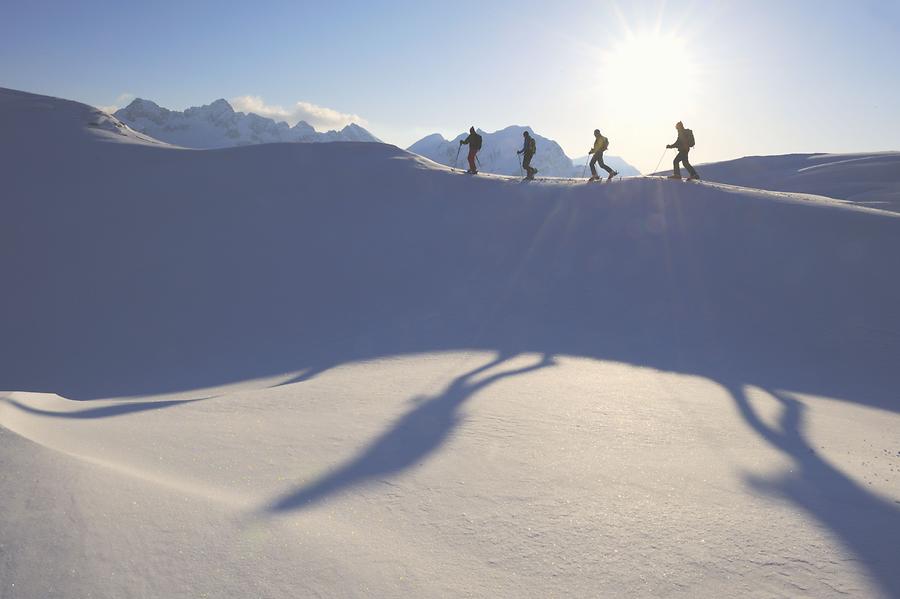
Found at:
<point>472,152</point>
<point>526,162</point>
<point>682,157</point>
<point>598,159</point>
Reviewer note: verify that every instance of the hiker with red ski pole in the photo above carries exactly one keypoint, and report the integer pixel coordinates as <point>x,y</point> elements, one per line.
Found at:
<point>474,143</point>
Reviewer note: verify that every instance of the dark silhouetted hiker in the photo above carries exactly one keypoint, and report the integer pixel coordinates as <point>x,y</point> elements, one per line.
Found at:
<point>527,152</point>
<point>474,143</point>
<point>600,145</point>
<point>684,143</point>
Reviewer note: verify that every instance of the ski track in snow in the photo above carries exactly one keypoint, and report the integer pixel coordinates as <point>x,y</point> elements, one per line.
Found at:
<point>261,375</point>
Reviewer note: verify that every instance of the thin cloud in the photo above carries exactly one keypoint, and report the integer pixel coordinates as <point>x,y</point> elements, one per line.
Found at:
<point>120,101</point>
<point>320,117</point>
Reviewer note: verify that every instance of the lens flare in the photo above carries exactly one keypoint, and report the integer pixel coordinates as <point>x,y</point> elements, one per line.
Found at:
<point>646,69</point>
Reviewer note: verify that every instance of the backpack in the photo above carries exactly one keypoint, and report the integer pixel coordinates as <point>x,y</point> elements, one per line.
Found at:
<point>605,145</point>
<point>531,146</point>
<point>689,137</point>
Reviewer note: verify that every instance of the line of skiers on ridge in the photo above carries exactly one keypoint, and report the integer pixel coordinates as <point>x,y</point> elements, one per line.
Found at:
<point>683,143</point>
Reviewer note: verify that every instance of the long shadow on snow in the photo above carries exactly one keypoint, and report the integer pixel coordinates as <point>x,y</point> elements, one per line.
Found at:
<point>222,266</point>
<point>865,524</point>
<point>103,412</point>
<point>408,441</point>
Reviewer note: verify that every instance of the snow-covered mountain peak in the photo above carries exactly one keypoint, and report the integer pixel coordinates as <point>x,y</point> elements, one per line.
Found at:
<point>218,125</point>
<point>142,107</point>
<point>221,105</point>
<point>219,109</point>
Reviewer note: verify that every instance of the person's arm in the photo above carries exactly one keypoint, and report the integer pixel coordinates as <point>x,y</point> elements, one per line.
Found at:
<point>464,141</point>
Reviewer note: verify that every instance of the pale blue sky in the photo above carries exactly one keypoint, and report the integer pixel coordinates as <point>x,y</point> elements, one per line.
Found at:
<point>750,77</point>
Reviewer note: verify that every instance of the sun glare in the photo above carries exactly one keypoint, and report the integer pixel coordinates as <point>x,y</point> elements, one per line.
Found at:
<point>647,70</point>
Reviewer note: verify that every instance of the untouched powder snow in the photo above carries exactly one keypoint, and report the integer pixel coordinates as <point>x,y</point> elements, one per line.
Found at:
<point>864,179</point>
<point>254,372</point>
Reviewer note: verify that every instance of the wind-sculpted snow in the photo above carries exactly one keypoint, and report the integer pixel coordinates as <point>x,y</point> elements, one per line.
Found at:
<point>240,263</point>
<point>397,380</point>
<point>866,179</point>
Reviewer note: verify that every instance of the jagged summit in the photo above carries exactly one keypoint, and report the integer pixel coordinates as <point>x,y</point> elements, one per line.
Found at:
<point>222,105</point>
<point>218,125</point>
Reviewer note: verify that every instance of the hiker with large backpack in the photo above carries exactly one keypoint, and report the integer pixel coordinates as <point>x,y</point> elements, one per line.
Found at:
<point>684,143</point>
<point>600,145</point>
<point>527,152</point>
<point>474,143</point>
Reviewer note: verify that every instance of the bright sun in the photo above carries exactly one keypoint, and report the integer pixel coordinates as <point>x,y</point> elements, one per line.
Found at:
<point>647,70</point>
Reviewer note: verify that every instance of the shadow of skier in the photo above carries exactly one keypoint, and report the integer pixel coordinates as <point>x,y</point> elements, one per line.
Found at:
<point>408,441</point>
<point>865,524</point>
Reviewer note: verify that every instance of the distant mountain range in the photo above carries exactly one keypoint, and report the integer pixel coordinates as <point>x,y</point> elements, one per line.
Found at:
<point>217,125</point>
<point>498,155</point>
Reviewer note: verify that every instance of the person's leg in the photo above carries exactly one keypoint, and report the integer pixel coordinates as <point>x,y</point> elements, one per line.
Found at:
<point>472,159</point>
<point>688,166</point>
<point>526,163</point>
<point>675,168</point>
<point>603,164</point>
<point>592,163</point>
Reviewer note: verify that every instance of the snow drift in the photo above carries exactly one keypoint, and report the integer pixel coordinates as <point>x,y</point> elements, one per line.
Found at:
<point>671,367</point>
<point>238,263</point>
<point>865,179</point>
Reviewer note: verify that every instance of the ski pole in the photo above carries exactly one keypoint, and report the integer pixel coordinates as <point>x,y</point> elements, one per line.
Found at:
<point>521,168</point>
<point>584,170</point>
<point>456,160</point>
<point>656,170</point>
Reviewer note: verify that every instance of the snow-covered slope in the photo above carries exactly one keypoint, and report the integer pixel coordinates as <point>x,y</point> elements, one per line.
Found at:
<point>217,125</point>
<point>254,372</point>
<point>60,123</point>
<point>865,179</point>
<point>498,155</point>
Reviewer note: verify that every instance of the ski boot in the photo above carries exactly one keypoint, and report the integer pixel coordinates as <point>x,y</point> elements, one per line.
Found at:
<point>674,177</point>
<point>694,178</point>
<point>611,175</point>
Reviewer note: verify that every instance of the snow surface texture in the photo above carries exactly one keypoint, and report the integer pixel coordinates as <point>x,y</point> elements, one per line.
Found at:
<point>217,125</point>
<point>251,372</point>
<point>865,179</point>
<point>498,154</point>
